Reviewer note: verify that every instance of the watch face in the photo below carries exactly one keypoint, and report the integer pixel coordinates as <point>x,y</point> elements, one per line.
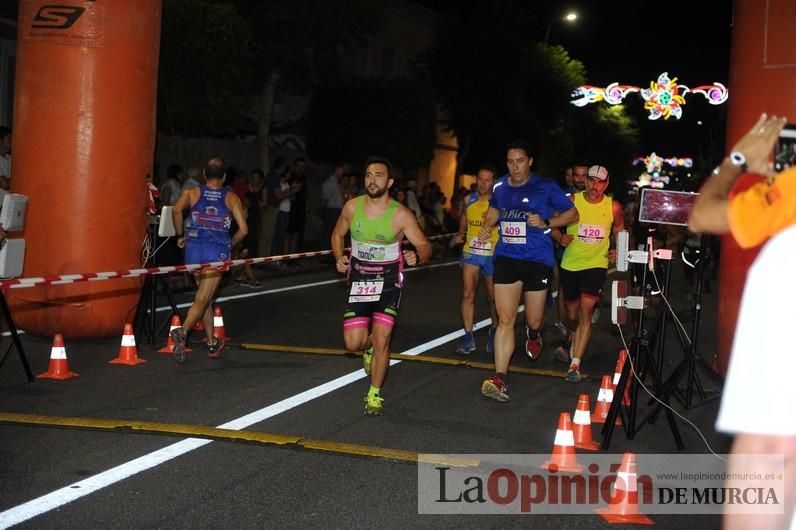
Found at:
<point>737,159</point>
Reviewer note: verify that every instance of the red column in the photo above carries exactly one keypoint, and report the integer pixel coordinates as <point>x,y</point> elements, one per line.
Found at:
<point>84,133</point>
<point>762,79</point>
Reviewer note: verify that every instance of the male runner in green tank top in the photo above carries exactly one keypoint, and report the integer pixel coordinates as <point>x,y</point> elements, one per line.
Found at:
<point>585,263</point>
<point>377,224</point>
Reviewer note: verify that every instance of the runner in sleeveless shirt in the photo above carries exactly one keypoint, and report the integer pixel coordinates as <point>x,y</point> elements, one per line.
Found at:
<point>585,262</point>
<point>525,205</point>
<point>477,258</point>
<point>377,224</point>
<point>206,240</point>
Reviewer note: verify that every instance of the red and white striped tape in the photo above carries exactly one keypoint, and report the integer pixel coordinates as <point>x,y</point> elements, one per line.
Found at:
<point>61,279</point>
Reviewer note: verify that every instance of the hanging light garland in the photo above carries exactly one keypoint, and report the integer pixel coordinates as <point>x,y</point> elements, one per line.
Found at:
<point>663,99</point>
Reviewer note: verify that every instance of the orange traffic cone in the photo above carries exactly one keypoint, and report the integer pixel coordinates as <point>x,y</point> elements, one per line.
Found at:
<point>169,347</point>
<point>582,425</point>
<point>620,364</point>
<point>563,456</point>
<point>128,353</point>
<point>218,325</point>
<point>59,368</point>
<point>623,504</point>
<point>604,399</point>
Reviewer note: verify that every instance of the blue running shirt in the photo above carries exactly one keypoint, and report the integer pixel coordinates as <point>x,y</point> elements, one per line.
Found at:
<point>538,195</point>
<point>210,219</point>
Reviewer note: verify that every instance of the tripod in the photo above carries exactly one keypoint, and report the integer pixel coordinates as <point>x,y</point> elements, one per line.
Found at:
<point>693,359</point>
<point>15,338</point>
<point>145,315</point>
<point>641,360</point>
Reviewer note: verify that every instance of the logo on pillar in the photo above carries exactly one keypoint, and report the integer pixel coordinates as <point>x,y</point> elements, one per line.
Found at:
<point>57,17</point>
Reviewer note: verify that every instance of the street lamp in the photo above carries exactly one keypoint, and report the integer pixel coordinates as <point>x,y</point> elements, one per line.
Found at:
<point>569,17</point>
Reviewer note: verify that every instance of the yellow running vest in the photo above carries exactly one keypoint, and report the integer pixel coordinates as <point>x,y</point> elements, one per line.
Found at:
<point>591,236</point>
<point>476,212</point>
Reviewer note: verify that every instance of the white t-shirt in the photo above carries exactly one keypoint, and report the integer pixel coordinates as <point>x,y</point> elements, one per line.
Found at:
<point>5,166</point>
<point>284,206</point>
<point>757,395</point>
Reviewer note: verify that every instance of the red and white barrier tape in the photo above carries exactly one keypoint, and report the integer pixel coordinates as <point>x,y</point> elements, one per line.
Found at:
<point>20,283</point>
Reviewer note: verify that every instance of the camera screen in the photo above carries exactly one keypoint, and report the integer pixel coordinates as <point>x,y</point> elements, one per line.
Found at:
<point>785,152</point>
<point>666,207</point>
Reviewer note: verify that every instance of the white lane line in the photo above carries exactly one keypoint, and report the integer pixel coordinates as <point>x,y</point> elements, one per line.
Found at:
<point>72,492</point>
<point>299,286</point>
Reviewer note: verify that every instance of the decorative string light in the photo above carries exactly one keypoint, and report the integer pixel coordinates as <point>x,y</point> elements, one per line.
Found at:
<point>653,162</point>
<point>663,99</point>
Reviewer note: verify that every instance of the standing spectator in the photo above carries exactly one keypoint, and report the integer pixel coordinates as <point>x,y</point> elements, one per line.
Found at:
<point>170,190</point>
<point>285,194</point>
<point>194,179</point>
<point>271,205</point>
<point>411,198</point>
<point>332,199</point>
<point>5,158</point>
<point>298,211</point>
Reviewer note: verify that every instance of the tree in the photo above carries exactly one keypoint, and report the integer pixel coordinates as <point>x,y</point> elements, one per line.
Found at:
<point>303,42</point>
<point>205,68</point>
<point>496,84</point>
<point>365,117</point>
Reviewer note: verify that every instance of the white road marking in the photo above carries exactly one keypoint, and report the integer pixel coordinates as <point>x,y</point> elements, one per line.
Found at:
<point>72,492</point>
<point>297,287</point>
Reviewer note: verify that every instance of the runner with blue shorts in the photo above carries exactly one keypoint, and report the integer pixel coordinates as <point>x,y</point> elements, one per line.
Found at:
<point>477,258</point>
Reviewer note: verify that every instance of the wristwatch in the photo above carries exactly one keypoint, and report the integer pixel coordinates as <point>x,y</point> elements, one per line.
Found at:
<point>739,160</point>
<point>547,223</point>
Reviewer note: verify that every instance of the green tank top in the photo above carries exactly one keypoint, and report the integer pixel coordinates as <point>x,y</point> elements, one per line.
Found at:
<point>591,235</point>
<point>373,240</point>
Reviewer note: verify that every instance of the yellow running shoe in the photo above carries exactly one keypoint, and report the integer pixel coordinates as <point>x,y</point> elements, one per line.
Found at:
<point>373,405</point>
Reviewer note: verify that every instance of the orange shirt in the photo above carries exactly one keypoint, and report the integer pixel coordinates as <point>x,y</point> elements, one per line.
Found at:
<point>763,210</point>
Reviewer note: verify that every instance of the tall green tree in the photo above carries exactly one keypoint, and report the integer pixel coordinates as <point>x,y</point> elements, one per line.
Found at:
<point>495,83</point>
<point>303,42</point>
<point>205,71</point>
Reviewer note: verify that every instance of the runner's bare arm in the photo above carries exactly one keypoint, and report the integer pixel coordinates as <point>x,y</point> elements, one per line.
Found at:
<point>233,203</point>
<point>338,236</point>
<point>407,222</point>
<point>619,218</point>
<point>459,237</point>
<point>491,219</point>
<point>185,201</point>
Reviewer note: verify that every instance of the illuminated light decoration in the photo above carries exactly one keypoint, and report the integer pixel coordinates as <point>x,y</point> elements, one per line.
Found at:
<point>663,99</point>
<point>654,162</point>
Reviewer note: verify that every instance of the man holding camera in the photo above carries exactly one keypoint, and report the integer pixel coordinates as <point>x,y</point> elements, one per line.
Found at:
<point>756,404</point>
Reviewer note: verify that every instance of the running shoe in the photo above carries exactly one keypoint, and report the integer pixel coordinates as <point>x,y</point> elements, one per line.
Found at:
<point>533,347</point>
<point>178,353</point>
<point>495,388</point>
<point>562,353</point>
<point>595,317</point>
<point>214,350</point>
<point>562,328</point>
<point>373,405</point>
<point>467,344</point>
<point>573,376</point>
<point>490,343</point>
<point>367,358</point>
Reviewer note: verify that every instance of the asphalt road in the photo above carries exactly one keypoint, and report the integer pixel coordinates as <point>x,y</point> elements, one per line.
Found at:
<point>90,476</point>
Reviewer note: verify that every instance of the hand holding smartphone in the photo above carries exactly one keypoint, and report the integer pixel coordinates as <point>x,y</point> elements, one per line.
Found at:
<point>785,150</point>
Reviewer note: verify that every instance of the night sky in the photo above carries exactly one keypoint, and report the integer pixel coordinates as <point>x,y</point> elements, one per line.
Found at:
<point>632,42</point>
